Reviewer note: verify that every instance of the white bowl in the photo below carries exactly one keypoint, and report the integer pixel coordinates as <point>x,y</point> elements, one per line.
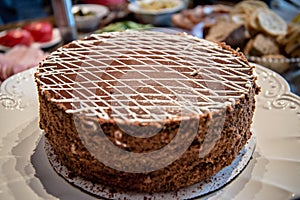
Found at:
<point>89,22</point>
<point>159,17</point>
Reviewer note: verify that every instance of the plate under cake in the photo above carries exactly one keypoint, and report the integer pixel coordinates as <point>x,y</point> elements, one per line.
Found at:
<point>146,111</point>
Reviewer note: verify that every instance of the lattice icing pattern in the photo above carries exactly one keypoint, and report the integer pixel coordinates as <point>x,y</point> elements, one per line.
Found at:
<point>144,76</point>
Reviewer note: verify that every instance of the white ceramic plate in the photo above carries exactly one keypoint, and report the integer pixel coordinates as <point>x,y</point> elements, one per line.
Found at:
<point>272,173</point>
<point>56,38</point>
<point>89,22</point>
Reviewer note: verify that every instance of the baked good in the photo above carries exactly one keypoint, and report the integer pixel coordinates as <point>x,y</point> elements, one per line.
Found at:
<point>259,32</point>
<point>271,23</point>
<point>248,6</point>
<point>261,45</point>
<point>146,111</point>
<point>226,30</point>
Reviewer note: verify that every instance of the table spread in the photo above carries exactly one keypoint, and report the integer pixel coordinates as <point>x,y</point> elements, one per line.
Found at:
<point>271,173</point>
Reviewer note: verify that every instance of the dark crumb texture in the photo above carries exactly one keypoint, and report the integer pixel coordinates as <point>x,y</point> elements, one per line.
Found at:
<point>215,137</point>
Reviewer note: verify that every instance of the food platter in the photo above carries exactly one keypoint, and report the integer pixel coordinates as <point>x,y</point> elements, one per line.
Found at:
<point>56,38</point>
<point>25,172</point>
<point>156,7</point>
<point>269,36</point>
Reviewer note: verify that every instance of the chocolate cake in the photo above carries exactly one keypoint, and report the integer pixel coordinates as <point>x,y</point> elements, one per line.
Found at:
<point>145,111</point>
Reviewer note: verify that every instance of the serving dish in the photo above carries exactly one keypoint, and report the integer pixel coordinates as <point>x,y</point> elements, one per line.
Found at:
<point>157,17</point>
<point>272,173</point>
<point>88,16</point>
<point>56,38</point>
<point>278,64</point>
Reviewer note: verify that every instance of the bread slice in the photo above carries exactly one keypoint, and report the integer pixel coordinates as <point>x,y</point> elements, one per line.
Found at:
<point>262,45</point>
<point>293,43</point>
<point>248,6</point>
<point>296,52</point>
<point>248,48</point>
<point>238,37</point>
<point>221,30</point>
<point>271,23</point>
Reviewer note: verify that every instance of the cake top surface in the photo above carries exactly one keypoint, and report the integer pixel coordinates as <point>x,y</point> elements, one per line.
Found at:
<point>144,76</point>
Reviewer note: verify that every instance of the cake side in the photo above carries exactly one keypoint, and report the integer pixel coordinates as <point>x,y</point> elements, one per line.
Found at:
<point>190,168</point>
<point>212,138</point>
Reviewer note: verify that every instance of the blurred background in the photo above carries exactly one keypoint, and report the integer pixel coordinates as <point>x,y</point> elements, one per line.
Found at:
<point>207,19</point>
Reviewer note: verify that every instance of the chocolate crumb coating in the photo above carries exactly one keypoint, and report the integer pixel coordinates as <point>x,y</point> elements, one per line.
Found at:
<point>146,111</point>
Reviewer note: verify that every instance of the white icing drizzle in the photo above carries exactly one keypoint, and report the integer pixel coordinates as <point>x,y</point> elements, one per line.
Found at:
<point>144,76</point>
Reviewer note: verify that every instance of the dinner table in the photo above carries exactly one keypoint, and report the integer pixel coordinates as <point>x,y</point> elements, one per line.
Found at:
<point>272,169</point>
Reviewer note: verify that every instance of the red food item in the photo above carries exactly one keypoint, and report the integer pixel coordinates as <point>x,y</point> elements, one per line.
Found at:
<point>41,31</point>
<point>15,37</point>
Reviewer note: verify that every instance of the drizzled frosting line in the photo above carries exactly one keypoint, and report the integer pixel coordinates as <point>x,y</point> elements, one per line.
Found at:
<point>134,73</point>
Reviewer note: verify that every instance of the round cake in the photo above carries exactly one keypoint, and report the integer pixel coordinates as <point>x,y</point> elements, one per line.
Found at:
<point>145,111</point>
